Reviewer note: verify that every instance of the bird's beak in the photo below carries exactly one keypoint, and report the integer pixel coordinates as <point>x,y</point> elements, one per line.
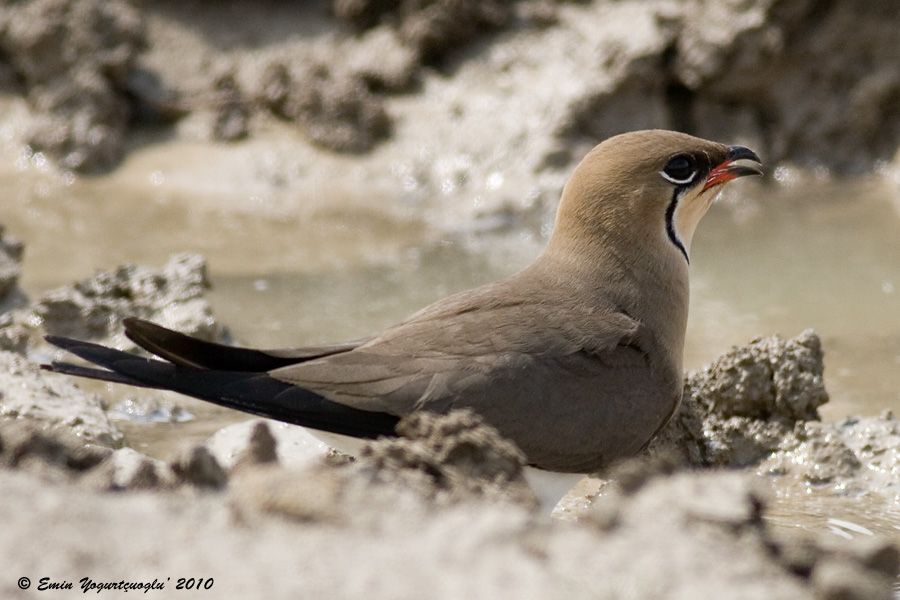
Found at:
<point>727,170</point>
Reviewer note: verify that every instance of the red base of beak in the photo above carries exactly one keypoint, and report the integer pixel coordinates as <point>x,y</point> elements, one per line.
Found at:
<point>727,170</point>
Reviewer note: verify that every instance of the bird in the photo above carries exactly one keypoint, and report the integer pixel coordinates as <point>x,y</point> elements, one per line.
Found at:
<point>577,358</point>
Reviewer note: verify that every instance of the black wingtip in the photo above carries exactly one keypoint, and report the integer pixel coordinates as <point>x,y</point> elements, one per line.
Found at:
<point>65,368</point>
<point>54,339</point>
<point>134,323</point>
<point>62,342</point>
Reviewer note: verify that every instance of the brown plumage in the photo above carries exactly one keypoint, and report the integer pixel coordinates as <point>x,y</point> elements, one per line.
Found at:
<point>577,358</point>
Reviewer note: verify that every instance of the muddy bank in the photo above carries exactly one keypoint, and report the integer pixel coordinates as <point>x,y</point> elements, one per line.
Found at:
<point>261,520</point>
<point>397,96</point>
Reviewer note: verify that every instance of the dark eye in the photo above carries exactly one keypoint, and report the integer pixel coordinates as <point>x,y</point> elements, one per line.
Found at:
<point>680,169</point>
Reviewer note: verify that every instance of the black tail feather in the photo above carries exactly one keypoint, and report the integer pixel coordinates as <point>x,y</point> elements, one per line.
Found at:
<point>187,351</point>
<point>254,393</point>
<point>90,373</point>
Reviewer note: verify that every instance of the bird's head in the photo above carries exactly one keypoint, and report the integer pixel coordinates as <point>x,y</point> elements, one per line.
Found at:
<point>650,189</point>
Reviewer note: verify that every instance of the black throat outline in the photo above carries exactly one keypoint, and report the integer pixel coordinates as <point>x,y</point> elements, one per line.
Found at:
<point>670,224</point>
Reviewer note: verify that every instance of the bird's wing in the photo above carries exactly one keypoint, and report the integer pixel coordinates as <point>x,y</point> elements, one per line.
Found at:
<point>565,382</point>
<point>187,351</point>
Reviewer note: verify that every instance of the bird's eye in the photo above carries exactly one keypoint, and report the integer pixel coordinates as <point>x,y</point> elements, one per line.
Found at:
<point>680,169</point>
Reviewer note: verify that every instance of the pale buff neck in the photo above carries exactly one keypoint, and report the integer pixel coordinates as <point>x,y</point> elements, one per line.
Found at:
<point>623,268</point>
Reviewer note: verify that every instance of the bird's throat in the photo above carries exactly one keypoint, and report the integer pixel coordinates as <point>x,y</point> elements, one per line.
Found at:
<point>683,215</point>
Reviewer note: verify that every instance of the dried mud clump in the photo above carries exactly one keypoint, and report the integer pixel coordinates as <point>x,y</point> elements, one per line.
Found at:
<point>93,308</point>
<point>127,469</point>
<point>198,467</point>
<point>11,251</point>
<point>261,448</point>
<point>335,110</point>
<point>231,120</point>
<point>72,60</point>
<point>770,378</point>
<point>432,28</point>
<point>54,402</point>
<point>13,336</point>
<point>60,455</point>
<point>363,14</point>
<point>316,494</point>
<point>275,89</point>
<point>449,457</point>
<point>383,61</point>
<point>741,407</point>
<point>339,112</point>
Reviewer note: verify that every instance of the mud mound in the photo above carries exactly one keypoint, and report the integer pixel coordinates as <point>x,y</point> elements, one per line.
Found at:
<point>11,251</point>
<point>198,467</point>
<point>232,113</point>
<point>739,409</point>
<point>24,446</point>
<point>335,109</point>
<point>768,378</point>
<point>381,59</point>
<point>448,457</point>
<point>72,60</point>
<point>431,27</point>
<point>93,308</point>
<point>127,469</point>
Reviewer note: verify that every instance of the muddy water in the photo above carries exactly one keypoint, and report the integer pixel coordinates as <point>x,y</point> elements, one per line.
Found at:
<point>768,258</point>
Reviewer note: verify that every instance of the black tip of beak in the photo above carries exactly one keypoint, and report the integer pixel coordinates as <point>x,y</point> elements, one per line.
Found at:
<point>741,153</point>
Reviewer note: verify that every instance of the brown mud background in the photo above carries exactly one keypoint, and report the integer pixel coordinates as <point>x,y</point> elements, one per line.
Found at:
<point>396,126</point>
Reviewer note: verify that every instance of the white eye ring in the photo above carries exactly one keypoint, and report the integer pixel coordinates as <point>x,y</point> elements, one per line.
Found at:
<point>671,179</point>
